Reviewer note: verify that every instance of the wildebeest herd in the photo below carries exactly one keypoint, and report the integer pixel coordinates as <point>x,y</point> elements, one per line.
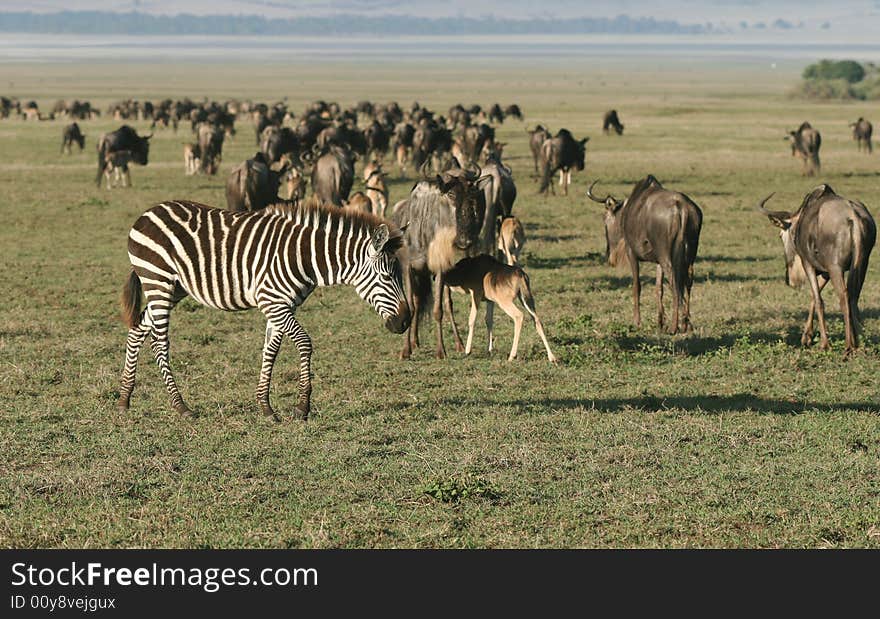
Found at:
<point>454,231</point>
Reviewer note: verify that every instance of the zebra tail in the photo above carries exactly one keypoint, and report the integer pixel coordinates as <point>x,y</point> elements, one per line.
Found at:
<point>131,300</point>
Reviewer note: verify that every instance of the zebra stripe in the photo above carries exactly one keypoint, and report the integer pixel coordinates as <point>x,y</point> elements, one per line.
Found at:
<point>270,259</point>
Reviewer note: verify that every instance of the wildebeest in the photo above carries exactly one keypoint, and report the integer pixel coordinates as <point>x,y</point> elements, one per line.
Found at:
<point>431,142</point>
<point>561,153</point>
<point>277,141</point>
<point>826,237</point>
<point>611,121</point>
<point>376,189</point>
<point>655,225</point>
<point>71,135</point>
<point>296,183</point>
<point>475,138</point>
<point>537,137</point>
<point>210,147</point>
<point>124,138</point>
<point>442,217</point>
<point>333,174</point>
<point>192,156</point>
<point>805,143</point>
<point>116,165</point>
<point>862,131</point>
<point>377,139</point>
<point>402,142</point>
<point>496,181</point>
<point>511,239</point>
<point>487,279</point>
<point>513,110</point>
<point>253,185</point>
<point>495,114</point>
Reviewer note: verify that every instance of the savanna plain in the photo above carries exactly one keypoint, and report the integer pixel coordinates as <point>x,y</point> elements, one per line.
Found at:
<point>730,436</point>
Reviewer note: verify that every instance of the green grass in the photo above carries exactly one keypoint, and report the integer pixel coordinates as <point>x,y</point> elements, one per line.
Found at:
<point>732,436</point>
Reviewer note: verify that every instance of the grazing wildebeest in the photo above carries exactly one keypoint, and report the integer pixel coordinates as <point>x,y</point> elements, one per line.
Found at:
<point>805,143</point>
<point>70,135</point>
<point>487,279</point>
<point>862,131</point>
<point>496,181</point>
<point>655,225</point>
<point>442,217</point>
<point>826,237</point>
<point>210,147</point>
<point>513,110</point>
<point>561,153</point>
<point>333,174</point>
<point>253,184</point>
<point>116,165</point>
<point>611,121</point>
<point>124,138</point>
<point>537,137</point>
<point>272,259</point>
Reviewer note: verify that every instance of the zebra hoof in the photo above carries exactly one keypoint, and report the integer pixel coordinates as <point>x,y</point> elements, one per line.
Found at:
<point>122,404</point>
<point>302,412</point>
<point>268,412</point>
<point>184,411</point>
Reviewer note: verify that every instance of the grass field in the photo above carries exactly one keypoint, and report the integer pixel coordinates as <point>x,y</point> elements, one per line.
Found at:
<point>731,436</point>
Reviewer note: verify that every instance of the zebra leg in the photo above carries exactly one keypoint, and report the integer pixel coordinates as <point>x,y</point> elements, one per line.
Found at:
<point>133,343</point>
<point>281,318</point>
<point>160,314</point>
<point>271,347</point>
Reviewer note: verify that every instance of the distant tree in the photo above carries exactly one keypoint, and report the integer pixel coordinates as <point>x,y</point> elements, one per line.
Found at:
<point>848,70</point>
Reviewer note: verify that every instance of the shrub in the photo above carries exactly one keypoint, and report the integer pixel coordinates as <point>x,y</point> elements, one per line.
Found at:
<point>848,70</point>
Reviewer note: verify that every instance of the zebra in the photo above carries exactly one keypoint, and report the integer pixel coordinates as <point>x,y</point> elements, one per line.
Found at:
<point>270,259</point>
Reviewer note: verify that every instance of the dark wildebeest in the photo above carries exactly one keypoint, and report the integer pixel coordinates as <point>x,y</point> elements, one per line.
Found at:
<point>513,110</point>
<point>862,131</point>
<point>333,174</point>
<point>72,134</point>
<point>276,141</point>
<point>475,138</point>
<point>124,138</point>
<point>253,185</point>
<point>377,139</point>
<point>611,121</point>
<point>496,114</point>
<point>210,147</point>
<point>496,181</point>
<point>561,153</point>
<point>827,236</point>
<point>403,144</point>
<point>443,218</point>
<point>655,225</point>
<point>805,143</point>
<point>431,142</point>
<point>537,136</point>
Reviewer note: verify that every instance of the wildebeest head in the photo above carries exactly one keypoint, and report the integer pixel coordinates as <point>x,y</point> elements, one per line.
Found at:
<point>460,187</point>
<point>795,276</point>
<point>140,150</point>
<point>384,290</point>
<point>615,245</point>
<point>580,153</point>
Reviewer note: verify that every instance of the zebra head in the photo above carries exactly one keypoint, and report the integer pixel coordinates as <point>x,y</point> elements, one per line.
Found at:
<point>382,286</point>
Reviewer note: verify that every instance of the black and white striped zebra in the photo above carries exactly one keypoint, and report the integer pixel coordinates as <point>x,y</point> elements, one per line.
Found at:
<point>270,259</point>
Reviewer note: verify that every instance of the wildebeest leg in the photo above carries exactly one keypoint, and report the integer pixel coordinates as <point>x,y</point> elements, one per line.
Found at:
<point>817,301</point>
<point>843,296</point>
<point>687,299</point>
<point>807,336</point>
<point>272,345</point>
<point>447,301</point>
<point>490,323</point>
<point>659,296</point>
<point>472,320</point>
<point>637,285</point>
<point>514,312</point>
<point>438,314</point>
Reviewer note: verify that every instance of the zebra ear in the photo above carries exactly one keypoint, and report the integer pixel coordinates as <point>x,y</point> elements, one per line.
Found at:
<point>380,238</point>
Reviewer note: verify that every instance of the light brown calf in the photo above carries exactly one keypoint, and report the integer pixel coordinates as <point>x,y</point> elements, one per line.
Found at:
<point>511,239</point>
<point>191,158</point>
<point>358,202</point>
<point>377,190</point>
<point>487,279</point>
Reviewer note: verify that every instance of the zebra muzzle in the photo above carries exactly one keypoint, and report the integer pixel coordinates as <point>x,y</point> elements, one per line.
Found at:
<point>400,321</point>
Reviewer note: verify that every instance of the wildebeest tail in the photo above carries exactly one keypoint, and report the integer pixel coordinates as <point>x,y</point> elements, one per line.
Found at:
<point>101,162</point>
<point>545,176</point>
<point>131,300</point>
<point>859,268</point>
<point>524,290</point>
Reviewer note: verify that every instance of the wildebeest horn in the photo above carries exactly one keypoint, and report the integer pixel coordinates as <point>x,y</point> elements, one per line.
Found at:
<point>423,169</point>
<point>594,198</point>
<point>147,137</point>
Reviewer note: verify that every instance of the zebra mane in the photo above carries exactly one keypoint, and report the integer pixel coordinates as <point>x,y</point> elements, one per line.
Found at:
<point>316,214</point>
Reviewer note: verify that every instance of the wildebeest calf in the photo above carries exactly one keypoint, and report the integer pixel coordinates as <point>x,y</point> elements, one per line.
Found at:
<point>192,156</point>
<point>827,236</point>
<point>486,279</point>
<point>116,164</point>
<point>862,131</point>
<point>511,239</point>
<point>72,135</point>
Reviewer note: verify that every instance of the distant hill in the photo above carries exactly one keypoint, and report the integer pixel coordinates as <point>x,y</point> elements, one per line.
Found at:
<point>137,23</point>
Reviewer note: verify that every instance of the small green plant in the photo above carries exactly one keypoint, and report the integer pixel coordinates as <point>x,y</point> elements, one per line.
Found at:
<point>456,489</point>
